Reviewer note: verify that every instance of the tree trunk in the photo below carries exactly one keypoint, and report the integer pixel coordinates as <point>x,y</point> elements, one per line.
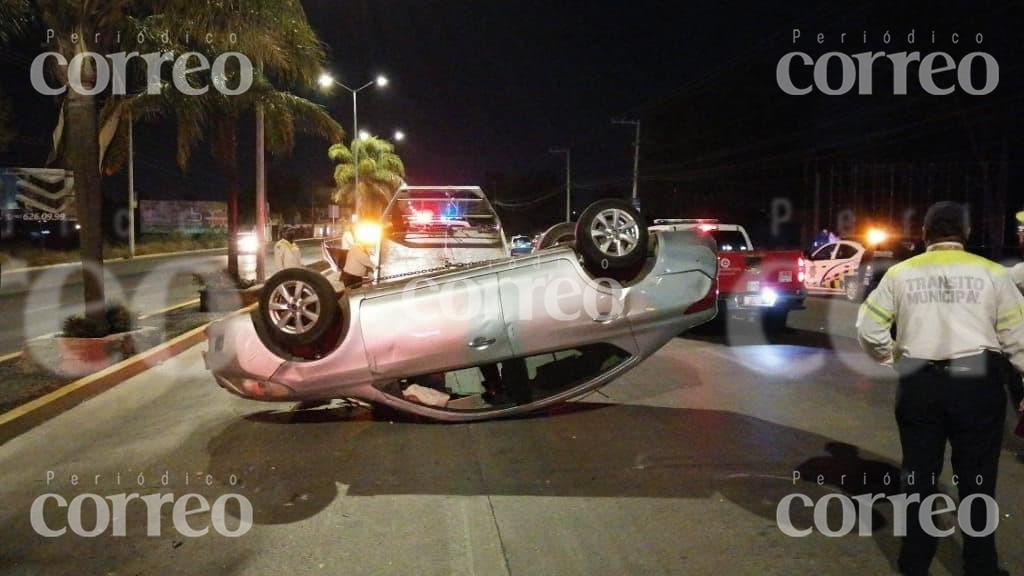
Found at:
<point>225,152</point>
<point>83,158</point>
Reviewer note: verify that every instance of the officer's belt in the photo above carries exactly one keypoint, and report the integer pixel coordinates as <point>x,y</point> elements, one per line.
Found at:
<point>974,365</point>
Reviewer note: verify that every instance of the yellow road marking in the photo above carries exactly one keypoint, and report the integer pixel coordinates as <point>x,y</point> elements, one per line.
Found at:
<point>63,391</point>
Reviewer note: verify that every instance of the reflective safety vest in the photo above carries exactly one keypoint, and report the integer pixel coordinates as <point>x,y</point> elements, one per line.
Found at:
<point>946,304</point>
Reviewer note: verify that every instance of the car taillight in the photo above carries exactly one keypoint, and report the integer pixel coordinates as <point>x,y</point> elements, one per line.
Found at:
<point>800,266</point>
<point>706,302</point>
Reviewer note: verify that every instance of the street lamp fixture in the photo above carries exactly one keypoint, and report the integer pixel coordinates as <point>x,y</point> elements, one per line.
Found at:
<point>326,80</point>
<point>397,136</point>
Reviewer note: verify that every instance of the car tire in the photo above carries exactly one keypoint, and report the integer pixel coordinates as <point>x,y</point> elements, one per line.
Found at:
<point>298,306</point>
<point>852,288</point>
<point>611,236</point>
<point>561,233</point>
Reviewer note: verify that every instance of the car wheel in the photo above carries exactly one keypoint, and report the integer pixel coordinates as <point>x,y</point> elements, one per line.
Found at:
<point>560,233</point>
<point>852,288</point>
<point>298,306</point>
<point>612,238</point>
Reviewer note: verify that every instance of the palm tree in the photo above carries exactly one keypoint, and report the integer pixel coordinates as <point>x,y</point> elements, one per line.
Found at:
<point>275,35</point>
<point>216,119</point>
<point>381,172</point>
<point>272,32</point>
<point>94,25</point>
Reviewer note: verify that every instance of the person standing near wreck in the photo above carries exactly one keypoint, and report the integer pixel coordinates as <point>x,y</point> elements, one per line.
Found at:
<point>956,315</point>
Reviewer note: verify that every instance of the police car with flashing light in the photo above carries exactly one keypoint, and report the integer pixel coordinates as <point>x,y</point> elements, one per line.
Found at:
<point>853,266</point>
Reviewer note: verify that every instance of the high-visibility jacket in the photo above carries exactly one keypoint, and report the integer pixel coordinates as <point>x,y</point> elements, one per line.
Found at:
<point>946,304</point>
<point>1017,275</point>
<point>287,255</point>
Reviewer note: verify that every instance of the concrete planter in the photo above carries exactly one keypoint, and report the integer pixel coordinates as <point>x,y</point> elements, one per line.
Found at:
<point>77,357</point>
<point>227,299</point>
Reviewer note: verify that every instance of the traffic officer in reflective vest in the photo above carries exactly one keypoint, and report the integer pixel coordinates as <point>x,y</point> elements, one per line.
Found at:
<point>956,315</point>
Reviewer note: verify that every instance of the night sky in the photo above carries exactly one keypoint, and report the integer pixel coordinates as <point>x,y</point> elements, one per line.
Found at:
<point>483,91</point>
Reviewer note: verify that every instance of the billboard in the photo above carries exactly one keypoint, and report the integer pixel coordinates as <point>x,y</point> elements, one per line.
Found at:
<point>37,194</point>
<point>190,217</point>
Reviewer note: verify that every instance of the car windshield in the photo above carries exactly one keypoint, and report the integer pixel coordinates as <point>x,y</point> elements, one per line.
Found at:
<point>729,240</point>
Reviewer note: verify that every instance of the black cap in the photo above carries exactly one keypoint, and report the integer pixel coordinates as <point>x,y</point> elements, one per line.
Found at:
<point>946,221</point>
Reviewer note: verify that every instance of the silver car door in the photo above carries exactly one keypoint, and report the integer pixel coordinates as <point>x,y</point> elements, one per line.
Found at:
<point>550,304</point>
<point>434,325</point>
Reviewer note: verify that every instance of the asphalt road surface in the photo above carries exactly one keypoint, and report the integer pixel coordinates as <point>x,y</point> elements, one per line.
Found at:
<point>34,302</point>
<point>676,468</point>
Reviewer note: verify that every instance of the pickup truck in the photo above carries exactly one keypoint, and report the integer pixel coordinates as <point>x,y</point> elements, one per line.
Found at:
<point>761,285</point>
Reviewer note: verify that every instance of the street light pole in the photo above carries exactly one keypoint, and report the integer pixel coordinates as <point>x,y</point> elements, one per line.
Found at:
<point>326,80</point>
<point>355,146</point>
<point>131,186</point>
<point>568,180</point>
<point>261,199</point>
<point>636,154</point>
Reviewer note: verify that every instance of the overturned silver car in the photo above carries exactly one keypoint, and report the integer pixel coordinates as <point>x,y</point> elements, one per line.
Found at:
<point>469,341</point>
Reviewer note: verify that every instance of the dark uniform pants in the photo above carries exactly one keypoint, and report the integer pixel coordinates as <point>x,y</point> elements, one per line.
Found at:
<point>962,401</point>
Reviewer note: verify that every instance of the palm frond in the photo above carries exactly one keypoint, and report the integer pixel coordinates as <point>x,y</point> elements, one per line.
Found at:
<point>340,153</point>
<point>287,114</point>
<point>274,34</point>
<point>344,174</point>
<point>190,121</point>
<point>15,18</point>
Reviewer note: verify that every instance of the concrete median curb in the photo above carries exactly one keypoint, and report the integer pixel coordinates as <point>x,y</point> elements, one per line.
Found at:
<point>31,414</point>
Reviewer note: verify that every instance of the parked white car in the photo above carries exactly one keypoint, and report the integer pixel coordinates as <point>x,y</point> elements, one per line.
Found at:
<point>828,266</point>
<point>853,266</point>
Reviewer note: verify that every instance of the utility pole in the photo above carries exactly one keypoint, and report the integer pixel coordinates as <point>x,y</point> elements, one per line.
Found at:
<point>568,181</point>
<point>636,157</point>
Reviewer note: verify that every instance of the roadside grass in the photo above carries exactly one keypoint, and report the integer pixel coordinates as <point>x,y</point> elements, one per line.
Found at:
<point>29,255</point>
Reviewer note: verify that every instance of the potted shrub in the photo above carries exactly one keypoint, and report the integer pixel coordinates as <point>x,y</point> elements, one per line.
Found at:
<point>86,345</point>
<point>222,292</point>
